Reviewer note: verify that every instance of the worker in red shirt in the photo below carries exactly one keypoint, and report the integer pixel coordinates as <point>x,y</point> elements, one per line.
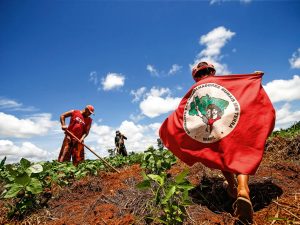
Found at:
<point>80,124</point>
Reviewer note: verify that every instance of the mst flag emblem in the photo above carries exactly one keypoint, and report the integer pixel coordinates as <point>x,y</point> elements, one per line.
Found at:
<point>208,119</point>
<point>222,122</point>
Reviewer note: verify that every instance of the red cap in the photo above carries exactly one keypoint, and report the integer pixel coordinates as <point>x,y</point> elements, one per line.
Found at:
<point>90,108</point>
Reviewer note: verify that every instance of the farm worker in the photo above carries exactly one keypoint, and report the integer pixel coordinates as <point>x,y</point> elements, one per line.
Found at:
<point>234,188</point>
<point>80,124</point>
<point>119,143</point>
<point>219,123</point>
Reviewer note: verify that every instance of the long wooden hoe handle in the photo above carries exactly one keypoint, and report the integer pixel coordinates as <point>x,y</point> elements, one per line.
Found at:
<point>70,133</point>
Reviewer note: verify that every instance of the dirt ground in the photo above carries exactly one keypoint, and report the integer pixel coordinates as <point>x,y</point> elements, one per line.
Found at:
<point>111,198</point>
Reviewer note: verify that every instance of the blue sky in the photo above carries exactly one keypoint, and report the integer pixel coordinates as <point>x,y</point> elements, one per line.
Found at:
<point>132,60</point>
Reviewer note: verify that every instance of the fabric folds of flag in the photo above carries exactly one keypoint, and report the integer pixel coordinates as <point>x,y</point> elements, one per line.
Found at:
<point>222,122</point>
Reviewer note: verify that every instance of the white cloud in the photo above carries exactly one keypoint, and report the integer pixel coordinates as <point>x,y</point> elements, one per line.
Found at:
<point>8,103</point>
<point>26,150</point>
<point>157,92</point>
<point>285,117</point>
<point>155,104</point>
<point>36,125</point>
<point>219,1</point>
<point>214,41</point>
<point>138,93</point>
<point>13,105</point>
<point>174,69</point>
<point>179,88</point>
<point>112,81</point>
<point>103,135</point>
<point>136,118</point>
<point>283,90</point>
<point>139,137</point>
<point>295,60</point>
<point>152,70</point>
<point>93,77</point>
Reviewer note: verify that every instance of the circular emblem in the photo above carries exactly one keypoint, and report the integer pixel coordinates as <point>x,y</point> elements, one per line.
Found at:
<point>210,113</point>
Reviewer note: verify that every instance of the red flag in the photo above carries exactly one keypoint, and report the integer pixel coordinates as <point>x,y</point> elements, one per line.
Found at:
<point>222,122</point>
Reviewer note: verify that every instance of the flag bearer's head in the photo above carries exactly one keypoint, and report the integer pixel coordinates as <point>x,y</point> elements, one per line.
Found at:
<point>202,69</point>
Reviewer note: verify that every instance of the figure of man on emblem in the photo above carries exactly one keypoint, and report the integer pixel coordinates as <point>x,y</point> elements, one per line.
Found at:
<point>209,109</point>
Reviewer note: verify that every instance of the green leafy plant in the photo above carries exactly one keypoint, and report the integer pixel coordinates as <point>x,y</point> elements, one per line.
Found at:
<point>22,183</point>
<point>169,196</point>
<point>3,171</point>
<point>58,173</point>
<point>157,161</point>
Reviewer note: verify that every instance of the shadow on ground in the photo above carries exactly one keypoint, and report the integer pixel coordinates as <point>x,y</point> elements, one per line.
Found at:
<point>210,193</point>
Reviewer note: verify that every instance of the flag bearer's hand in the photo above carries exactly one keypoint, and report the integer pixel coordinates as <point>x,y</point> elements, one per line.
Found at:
<point>64,127</point>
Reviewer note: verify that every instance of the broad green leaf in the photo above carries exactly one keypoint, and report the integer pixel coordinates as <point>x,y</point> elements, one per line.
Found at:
<point>144,184</point>
<point>181,178</point>
<point>13,191</point>
<point>36,168</point>
<point>144,175</point>
<point>11,170</point>
<point>169,194</point>
<point>178,219</point>
<point>35,186</point>
<point>175,207</point>
<point>2,162</point>
<point>158,164</point>
<point>24,163</point>
<point>23,179</point>
<point>8,185</point>
<point>157,178</point>
<point>185,186</point>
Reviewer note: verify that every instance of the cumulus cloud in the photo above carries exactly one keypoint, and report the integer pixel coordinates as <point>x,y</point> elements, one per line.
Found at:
<point>220,1</point>
<point>139,137</point>
<point>285,117</point>
<point>214,41</point>
<point>103,135</point>
<point>136,118</point>
<point>112,81</point>
<point>152,70</point>
<point>137,94</point>
<point>35,125</point>
<point>12,105</point>
<point>26,150</point>
<point>283,90</point>
<point>295,60</point>
<point>157,92</point>
<point>174,69</point>
<point>158,101</point>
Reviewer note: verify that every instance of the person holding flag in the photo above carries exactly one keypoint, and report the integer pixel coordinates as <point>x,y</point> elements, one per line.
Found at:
<point>219,122</point>
<point>80,124</point>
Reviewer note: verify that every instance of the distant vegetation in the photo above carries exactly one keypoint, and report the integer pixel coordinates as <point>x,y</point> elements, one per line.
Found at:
<point>292,131</point>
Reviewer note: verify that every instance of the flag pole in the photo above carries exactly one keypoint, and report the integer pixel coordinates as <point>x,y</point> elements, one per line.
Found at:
<point>105,162</point>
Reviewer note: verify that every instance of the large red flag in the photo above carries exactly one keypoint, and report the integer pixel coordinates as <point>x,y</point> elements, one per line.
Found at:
<point>222,122</point>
